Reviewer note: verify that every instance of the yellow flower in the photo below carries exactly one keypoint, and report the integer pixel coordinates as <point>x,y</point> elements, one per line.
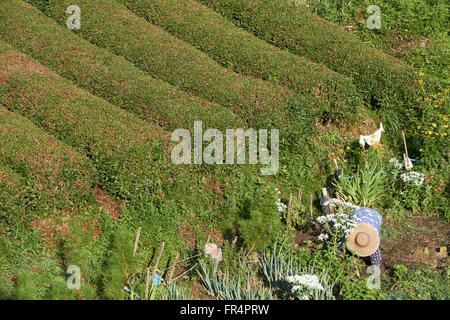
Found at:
<point>420,81</point>
<point>421,150</point>
<point>434,124</point>
<point>421,74</point>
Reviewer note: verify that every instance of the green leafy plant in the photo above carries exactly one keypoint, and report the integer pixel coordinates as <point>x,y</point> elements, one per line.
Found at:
<point>365,188</point>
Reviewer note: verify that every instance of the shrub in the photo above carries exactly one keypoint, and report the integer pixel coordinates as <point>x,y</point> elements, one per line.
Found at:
<point>25,286</point>
<point>244,53</point>
<point>259,222</point>
<point>260,104</point>
<point>59,177</point>
<point>105,74</point>
<point>120,269</point>
<point>117,143</point>
<point>383,80</point>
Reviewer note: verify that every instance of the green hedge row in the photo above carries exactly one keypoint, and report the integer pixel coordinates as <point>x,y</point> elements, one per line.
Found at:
<point>61,176</point>
<point>244,53</point>
<point>130,155</point>
<point>14,202</point>
<point>111,25</point>
<point>382,79</point>
<point>103,73</point>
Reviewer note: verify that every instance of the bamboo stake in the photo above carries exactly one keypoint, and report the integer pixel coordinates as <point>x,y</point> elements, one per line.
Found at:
<point>146,283</point>
<point>335,164</point>
<point>136,240</point>
<point>289,209</point>
<point>299,197</point>
<point>159,257</point>
<point>299,200</point>
<point>173,268</point>
<point>311,205</point>
<point>181,275</point>
<point>404,143</point>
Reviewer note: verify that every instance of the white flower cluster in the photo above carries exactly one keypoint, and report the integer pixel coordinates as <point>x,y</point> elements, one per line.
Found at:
<point>339,224</point>
<point>413,177</point>
<point>323,237</point>
<point>396,164</point>
<point>281,207</point>
<point>306,281</point>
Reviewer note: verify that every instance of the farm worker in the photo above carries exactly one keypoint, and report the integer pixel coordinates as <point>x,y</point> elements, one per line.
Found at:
<point>364,240</point>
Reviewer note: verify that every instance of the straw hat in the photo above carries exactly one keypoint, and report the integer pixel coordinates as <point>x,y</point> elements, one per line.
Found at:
<point>363,240</point>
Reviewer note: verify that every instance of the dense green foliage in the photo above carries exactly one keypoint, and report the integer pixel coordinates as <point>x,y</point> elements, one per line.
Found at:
<point>163,56</point>
<point>85,121</point>
<point>117,143</point>
<point>104,74</point>
<point>62,177</point>
<point>415,31</point>
<point>382,79</point>
<point>244,53</point>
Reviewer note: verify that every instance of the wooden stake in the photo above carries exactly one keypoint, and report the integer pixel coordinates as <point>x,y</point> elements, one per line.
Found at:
<point>146,283</point>
<point>289,209</point>
<point>335,164</point>
<point>404,143</point>
<point>299,200</point>
<point>136,240</point>
<point>311,205</point>
<point>159,257</point>
<point>173,268</point>
<point>299,197</point>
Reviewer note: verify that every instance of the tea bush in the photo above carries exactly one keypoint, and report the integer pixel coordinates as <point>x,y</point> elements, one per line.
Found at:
<point>382,79</point>
<point>246,54</point>
<point>105,74</point>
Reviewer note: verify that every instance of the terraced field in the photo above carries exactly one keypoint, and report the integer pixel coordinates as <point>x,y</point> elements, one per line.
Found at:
<point>86,124</point>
